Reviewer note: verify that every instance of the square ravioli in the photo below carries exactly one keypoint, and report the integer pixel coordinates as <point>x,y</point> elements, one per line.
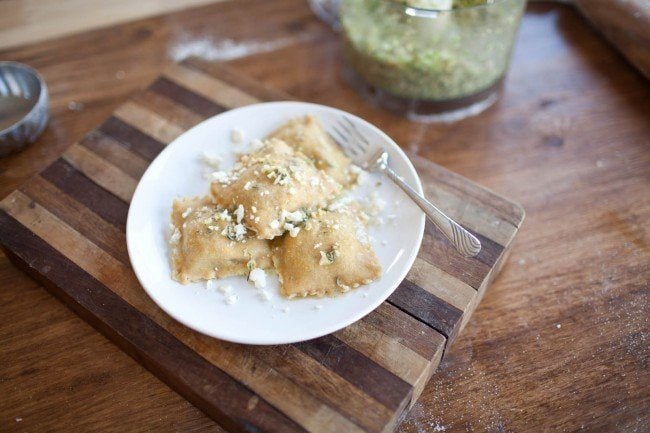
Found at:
<point>331,255</point>
<point>209,242</point>
<point>275,188</point>
<point>307,135</point>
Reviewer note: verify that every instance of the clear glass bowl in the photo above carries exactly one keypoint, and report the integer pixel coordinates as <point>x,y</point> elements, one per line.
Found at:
<point>445,62</point>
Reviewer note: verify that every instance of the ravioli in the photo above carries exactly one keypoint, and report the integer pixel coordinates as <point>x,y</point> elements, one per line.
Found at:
<point>209,242</point>
<point>306,134</point>
<point>277,187</point>
<point>330,255</point>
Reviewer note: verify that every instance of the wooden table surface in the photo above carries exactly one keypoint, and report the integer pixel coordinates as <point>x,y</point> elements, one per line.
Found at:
<point>559,343</point>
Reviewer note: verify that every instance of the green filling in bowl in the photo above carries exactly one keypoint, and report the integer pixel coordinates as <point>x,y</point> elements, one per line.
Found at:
<point>428,54</point>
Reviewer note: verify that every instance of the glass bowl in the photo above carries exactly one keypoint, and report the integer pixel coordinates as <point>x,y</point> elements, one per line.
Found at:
<point>430,59</point>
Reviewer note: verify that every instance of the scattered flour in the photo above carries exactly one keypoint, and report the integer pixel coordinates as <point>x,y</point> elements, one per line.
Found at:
<point>227,49</point>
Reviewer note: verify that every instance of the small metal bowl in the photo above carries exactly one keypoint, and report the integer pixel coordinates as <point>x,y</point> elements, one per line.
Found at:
<point>23,106</point>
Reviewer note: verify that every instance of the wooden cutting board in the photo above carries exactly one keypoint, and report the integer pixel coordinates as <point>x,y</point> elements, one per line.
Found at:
<point>66,228</point>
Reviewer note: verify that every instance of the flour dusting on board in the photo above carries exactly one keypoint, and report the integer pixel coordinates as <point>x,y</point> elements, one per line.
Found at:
<point>227,49</point>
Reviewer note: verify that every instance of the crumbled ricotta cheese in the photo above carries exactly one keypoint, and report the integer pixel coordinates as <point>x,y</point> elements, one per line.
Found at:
<point>253,209</point>
<point>292,191</point>
<point>225,289</point>
<point>234,233</point>
<point>220,177</point>
<point>274,224</point>
<point>293,230</point>
<point>248,186</point>
<point>176,236</point>
<point>256,144</point>
<point>294,217</point>
<point>258,277</point>
<point>187,212</point>
<point>362,175</point>
<point>329,257</point>
<point>280,175</point>
<point>240,230</point>
<point>237,136</point>
<point>211,159</point>
<point>239,213</point>
<point>223,216</point>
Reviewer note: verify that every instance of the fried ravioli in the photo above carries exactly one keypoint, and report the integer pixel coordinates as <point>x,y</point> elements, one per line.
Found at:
<point>330,255</point>
<point>306,134</point>
<point>272,183</point>
<point>210,242</point>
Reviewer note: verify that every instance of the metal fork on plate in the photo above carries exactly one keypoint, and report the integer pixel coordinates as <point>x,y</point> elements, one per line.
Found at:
<point>375,159</point>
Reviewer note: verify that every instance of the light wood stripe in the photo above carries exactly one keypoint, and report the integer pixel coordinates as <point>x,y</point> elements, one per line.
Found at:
<point>88,223</point>
<point>116,154</point>
<point>235,360</point>
<point>385,351</point>
<point>312,375</point>
<point>209,87</point>
<point>473,216</point>
<point>147,121</point>
<point>168,109</point>
<point>446,287</point>
<point>101,172</point>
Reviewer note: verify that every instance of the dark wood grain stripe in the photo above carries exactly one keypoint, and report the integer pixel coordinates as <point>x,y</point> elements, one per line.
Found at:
<point>106,236</point>
<point>430,309</point>
<point>408,330</point>
<point>134,140</point>
<point>177,93</point>
<point>205,385</point>
<point>85,191</point>
<point>115,153</point>
<point>356,368</point>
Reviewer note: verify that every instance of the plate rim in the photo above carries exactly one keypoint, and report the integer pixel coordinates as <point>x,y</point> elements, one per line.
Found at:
<point>412,254</point>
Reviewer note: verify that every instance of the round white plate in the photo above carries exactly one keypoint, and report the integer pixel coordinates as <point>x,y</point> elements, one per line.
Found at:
<point>178,171</point>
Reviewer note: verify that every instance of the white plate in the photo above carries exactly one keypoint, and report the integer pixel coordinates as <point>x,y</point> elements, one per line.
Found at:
<point>177,171</point>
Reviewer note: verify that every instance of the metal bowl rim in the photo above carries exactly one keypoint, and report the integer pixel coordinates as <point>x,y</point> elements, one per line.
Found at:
<point>38,102</point>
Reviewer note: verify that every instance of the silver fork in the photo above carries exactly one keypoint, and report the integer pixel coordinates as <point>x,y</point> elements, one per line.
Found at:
<point>375,159</point>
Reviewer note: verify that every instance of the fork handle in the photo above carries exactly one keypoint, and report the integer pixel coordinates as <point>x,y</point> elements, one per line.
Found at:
<point>465,242</point>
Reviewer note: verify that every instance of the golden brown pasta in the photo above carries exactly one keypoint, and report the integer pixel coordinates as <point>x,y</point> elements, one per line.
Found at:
<point>307,135</point>
<point>276,188</point>
<point>209,242</point>
<point>330,255</point>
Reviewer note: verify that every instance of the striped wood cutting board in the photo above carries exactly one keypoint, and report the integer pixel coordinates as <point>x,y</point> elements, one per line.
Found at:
<point>66,227</point>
